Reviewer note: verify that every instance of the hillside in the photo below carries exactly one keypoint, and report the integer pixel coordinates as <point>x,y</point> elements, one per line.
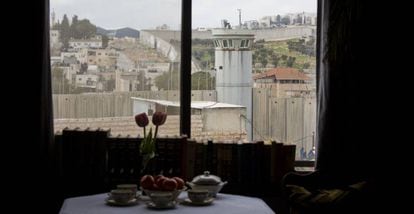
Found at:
<point>289,53</point>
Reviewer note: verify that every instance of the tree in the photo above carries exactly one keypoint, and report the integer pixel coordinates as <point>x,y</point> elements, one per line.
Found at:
<point>105,41</point>
<point>202,81</point>
<point>290,61</point>
<point>275,60</point>
<point>110,84</point>
<point>84,29</point>
<point>60,85</point>
<point>65,31</point>
<point>73,30</point>
<point>144,83</point>
<point>168,80</point>
<point>264,62</point>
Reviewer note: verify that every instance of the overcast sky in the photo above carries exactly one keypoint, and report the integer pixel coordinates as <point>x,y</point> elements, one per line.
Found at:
<point>147,14</point>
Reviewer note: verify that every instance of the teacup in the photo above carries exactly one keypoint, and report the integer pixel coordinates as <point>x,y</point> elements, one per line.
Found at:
<point>132,187</point>
<point>161,198</point>
<point>121,195</point>
<point>198,195</point>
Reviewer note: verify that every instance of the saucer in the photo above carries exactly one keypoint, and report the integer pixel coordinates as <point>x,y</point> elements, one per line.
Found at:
<point>166,206</point>
<point>110,201</point>
<point>206,202</point>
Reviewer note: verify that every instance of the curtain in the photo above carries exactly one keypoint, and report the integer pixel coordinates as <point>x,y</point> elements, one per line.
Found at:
<point>47,168</point>
<point>46,111</point>
<point>344,111</point>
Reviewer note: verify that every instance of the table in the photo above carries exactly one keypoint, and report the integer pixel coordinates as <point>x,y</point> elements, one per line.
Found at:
<point>223,203</point>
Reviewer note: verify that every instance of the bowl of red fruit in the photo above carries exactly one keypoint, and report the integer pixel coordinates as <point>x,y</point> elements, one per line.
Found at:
<point>162,191</point>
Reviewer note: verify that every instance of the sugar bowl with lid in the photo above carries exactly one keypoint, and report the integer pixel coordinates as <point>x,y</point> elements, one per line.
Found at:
<point>209,182</point>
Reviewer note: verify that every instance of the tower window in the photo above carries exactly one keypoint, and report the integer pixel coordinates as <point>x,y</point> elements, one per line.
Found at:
<point>225,43</point>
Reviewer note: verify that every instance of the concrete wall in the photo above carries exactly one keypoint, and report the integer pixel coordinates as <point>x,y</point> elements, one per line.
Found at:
<point>116,104</point>
<point>288,120</point>
<point>167,35</point>
<point>271,34</point>
<point>283,33</point>
<point>161,44</point>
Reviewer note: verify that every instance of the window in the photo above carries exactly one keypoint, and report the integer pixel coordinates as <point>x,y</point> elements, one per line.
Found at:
<point>229,66</point>
<point>242,43</point>
<point>101,80</point>
<point>254,105</point>
<point>225,44</point>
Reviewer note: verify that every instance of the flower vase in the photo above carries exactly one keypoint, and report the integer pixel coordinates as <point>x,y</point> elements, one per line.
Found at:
<point>147,168</point>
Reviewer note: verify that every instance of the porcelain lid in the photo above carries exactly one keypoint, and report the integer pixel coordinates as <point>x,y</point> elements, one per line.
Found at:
<point>207,179</point>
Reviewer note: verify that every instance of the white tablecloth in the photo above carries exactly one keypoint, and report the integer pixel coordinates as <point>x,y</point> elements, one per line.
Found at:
<point>224,203</point>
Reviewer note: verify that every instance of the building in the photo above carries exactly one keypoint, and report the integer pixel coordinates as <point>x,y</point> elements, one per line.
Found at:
<point>102,57</point>
<point>86,43</point>
<point>223,118</point>
<point>251,24</point>
<point>289,82</point>
<point>233,63</point>
<point>54,38</point>
<point>86,81</point>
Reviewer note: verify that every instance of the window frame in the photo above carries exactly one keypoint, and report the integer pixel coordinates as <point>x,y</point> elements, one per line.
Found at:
<point>185,68</point>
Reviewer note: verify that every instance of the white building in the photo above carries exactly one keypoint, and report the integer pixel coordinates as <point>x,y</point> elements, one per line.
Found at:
<point>251,24</point>
<point>216,117</point>
<point>86,80</point>
<point>85,43</point>
<point>54,37</point>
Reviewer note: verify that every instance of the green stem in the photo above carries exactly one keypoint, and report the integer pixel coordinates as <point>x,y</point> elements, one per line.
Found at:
<point>155,134</point>
<point>145,133</point>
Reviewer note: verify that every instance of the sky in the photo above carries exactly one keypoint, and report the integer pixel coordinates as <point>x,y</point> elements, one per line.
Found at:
<point>147,14</point>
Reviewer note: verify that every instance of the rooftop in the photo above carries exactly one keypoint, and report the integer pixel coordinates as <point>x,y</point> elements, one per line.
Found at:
<point>194,104</point>
<point>283,74</point>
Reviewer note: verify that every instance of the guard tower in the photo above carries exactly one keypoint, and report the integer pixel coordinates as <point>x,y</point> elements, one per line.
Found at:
<point>233,63</point>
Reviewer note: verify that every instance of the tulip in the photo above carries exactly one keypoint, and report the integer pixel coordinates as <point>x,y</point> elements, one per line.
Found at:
<point>159,118</point>
<point>142,121</point>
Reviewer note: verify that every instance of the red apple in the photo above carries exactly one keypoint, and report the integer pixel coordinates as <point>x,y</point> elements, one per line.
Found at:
<point>160,181</point>
<point>155,187</point>
<point>147,181</point>
<point>169,184</point>
<point>180,182</point>
<point>158,177</point>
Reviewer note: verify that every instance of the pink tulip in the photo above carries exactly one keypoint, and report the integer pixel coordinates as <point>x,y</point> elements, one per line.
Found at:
<point>141,119</point>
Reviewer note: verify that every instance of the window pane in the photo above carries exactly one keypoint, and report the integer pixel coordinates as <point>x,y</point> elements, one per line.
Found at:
<point>114,59</point>
<point>262,85</point>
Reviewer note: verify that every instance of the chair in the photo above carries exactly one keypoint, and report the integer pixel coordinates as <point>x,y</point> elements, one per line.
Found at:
<point>319,192</point>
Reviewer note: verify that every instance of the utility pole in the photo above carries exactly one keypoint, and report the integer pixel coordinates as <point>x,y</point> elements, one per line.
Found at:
<point>240,24</point>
